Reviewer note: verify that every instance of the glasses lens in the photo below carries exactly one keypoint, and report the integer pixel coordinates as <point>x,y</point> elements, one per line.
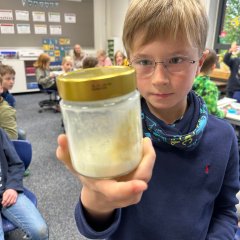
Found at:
<point>177,64</point>
<point>144,67</point>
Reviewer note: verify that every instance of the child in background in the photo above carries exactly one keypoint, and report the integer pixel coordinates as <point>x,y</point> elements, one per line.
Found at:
<point>78,56</point>
<point>67,64</point>
<point>45,78</point>
<point>103,59</point>
<point>8,79</point>
<point>90,62</point>
<point>189,192</point>
<point>15,206</point>
<point>233,85</point>
<point>206,88</point>
<point>8,120</point>
<point>120,59</point>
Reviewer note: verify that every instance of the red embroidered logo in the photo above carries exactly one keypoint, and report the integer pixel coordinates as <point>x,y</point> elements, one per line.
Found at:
<point>207,169</point>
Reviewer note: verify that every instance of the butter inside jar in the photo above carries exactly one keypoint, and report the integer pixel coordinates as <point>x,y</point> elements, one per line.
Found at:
<point>104,130</point>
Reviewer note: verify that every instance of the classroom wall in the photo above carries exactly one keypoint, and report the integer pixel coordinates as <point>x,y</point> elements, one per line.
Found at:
<point>80,32</point>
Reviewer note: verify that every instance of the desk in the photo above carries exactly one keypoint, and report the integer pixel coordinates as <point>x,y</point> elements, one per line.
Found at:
<point>219,75</point>
<point>233,110</point>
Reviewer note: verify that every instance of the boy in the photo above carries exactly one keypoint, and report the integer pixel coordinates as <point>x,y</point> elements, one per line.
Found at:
<point>8,120</point>
<point>206,88</point>
<point>8,79</point>
<point>15,206</point>
<point>189,192</point>
<point>233,86</point>
<point>90,62</point>
<point>67,64</point>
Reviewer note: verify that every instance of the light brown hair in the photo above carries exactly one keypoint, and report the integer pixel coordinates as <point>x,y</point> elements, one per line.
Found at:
<point>210,62</point>
<point>164,19</point>
<point>42,61</point>
<point>90,62</point>
<point>6,69</point>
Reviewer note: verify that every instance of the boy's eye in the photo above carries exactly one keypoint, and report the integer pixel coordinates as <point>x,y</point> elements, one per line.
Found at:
<point>176,60</point>
<point>144,62</point>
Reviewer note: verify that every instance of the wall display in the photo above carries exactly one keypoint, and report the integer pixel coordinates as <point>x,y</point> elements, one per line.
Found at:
<point>79,25</point>
<point>41,3</point>
<point>70,18</point>
<point>38,16</point>
<point>7,28</point>
<point>55,29</point>
<point>6,14</point>
<point>56,49</point>
<point>40,29</point>
<point>22,15</point>
<point>23,28</point>
<point>54,17</point>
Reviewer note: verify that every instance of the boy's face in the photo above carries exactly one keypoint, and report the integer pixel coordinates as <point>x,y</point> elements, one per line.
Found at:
<point>165,89</point>
<point>8,81</point>
<point>67,66</point>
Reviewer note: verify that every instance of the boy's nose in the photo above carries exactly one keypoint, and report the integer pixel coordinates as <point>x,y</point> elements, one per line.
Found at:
<point>160,75</point>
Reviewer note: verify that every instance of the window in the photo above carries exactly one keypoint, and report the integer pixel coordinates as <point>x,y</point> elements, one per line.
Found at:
<point>228,24</point>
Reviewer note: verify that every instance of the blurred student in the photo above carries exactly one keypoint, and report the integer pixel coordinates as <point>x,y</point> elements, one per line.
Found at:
<point>233,84</point>
<point>103,59</point>
<point>8,120</point>
<point>120,59</point>
<point>8,79</point>
<point>206,88</point>
<point>78,56</point>
<point>45,78</point>
<point>15,206</point>
<point>67,64</point>
<point>90,62</point>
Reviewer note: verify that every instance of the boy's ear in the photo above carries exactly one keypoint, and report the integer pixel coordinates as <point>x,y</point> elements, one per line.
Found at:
<point>201,61</point>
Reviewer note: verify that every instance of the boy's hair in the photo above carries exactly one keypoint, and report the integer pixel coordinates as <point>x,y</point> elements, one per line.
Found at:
<point>90,62</point>
<point>165,19</point>
<point>6,69</point>
<point>67,59</point>
<point>209,62</point>
<point>42,61</point>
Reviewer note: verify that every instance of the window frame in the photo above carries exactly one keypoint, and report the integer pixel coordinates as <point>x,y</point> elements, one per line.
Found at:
<point>220,21</point>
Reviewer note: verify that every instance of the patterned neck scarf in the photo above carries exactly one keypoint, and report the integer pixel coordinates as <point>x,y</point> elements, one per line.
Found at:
<point>196,119</point>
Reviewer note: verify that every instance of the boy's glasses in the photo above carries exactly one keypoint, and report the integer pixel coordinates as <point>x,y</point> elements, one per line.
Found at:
<point>145,66</point>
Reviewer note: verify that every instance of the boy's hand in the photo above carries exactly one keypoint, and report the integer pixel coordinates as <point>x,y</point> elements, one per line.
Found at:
<point>101,197</point>
<point>9,197</point>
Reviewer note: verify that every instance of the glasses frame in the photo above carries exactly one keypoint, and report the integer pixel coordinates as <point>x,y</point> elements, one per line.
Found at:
<point>163,62</point>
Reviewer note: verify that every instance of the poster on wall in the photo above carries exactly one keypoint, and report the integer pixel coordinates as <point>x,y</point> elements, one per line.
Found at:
<point>54,17</point>
<point>7,28</point>
<point>23,28</point>
<point>22,15</point>
<point>6,14</point>
<point>38,16</point>
<point>70,17</point>
<point>40,29</point>
<point>55,29</point>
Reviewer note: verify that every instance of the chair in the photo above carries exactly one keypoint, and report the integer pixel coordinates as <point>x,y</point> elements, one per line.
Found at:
<point>24,151</point>
<point>51,103</point>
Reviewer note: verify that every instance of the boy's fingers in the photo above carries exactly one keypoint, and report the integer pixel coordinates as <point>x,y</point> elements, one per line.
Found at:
<point>62,152</point>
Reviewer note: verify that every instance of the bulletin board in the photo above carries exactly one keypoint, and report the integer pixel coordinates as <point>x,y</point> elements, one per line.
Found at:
<point>22,25</point>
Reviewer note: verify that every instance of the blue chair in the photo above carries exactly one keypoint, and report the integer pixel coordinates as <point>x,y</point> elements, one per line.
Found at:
<point>24,150</point>
<point>51,103</point>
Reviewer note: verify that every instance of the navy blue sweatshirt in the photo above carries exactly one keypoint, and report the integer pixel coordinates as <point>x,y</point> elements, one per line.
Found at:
<point>191,195</point>
<point>12,167</point>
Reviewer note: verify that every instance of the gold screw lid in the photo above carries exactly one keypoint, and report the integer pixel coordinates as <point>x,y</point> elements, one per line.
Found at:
<point>98,83</point>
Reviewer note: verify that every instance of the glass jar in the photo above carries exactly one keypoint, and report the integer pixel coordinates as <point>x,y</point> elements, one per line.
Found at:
<point>102,119</point>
